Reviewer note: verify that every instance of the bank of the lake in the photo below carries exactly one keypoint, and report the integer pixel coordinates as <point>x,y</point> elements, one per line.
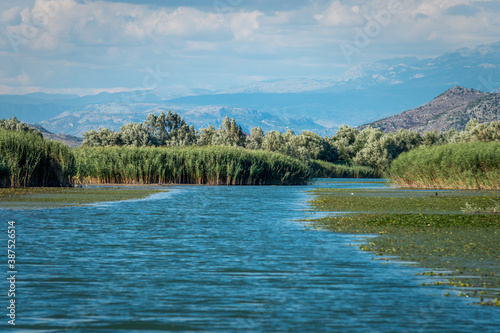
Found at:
<point>28,160</point>
<point>51,197</point>
<point>452,233</point>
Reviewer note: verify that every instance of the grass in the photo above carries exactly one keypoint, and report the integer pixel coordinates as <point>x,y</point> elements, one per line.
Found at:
<point>188,165</point>
<point>48,197</point>
<point>469,165</point>
<point>322,169</point>
<point>26,159</point>
<point>430,230</point>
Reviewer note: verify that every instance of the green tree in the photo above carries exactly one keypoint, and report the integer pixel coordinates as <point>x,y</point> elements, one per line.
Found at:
<point>206,136</point>
<point>103,137</point>
<point>274,141</point>
<point>344,141</point>
<point>136,135</point>
<point>254,141</point>
<point>433,138</point>
<point>13,124</point>
<point>381,149</point>
<point>230,134</point>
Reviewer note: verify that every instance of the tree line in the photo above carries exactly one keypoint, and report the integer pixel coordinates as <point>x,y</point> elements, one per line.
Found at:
<point>369,147</point>
<point>159,155</point>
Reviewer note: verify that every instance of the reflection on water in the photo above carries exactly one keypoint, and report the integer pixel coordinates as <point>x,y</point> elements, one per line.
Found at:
<point>217,259</point>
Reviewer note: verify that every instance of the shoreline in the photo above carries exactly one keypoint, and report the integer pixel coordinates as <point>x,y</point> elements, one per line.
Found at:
<point>55,197</point>
<point>432,231</point>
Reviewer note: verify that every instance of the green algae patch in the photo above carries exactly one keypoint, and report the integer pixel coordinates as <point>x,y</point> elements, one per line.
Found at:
<point>401,201</point>
<point>430,230</point>
<point>50,197</point>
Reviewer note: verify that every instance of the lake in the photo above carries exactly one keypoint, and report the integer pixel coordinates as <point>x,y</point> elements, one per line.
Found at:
<point>217,259</point>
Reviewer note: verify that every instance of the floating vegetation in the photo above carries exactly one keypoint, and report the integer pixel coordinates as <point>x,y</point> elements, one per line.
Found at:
<point>473,209</point>
<point>401,201</point>
<point>48,197</point>
<point>421,227</point>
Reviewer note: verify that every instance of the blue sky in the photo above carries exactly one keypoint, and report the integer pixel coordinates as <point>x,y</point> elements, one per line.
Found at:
<point>83,47</point>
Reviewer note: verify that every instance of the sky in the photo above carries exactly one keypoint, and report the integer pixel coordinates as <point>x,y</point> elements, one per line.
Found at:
<point>86,46</point>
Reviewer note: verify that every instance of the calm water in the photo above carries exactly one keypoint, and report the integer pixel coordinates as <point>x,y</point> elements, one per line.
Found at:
<point>215,259</point>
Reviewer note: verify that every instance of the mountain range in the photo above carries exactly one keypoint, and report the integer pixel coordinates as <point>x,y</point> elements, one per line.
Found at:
<point>363,94</point>
<point>450,110</point>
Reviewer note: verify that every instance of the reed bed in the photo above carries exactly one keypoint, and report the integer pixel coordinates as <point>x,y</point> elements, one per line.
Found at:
<point>26,159</point>
<point>467,165</point>
<point>187,165</point>
<point>322,169</point>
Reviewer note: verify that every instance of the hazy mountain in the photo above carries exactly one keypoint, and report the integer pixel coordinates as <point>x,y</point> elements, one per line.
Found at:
<point>452,109</point>
<point>114,115</point>
<point>362,94</point>
<point>365,92</point>
<point>69,140</point>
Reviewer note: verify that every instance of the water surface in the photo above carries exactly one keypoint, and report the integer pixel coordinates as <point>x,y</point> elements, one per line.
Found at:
<point>212,259</point>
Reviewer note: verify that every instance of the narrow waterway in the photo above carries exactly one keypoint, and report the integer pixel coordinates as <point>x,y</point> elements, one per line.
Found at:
<point>214,259</point>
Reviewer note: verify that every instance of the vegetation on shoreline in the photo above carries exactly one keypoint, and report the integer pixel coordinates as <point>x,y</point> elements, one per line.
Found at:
<point>27,159</point>
<point>50,197</point>
<point>467,165</point>
<point>187,165</point>
<point>201,165</point>
<point>368,147</point>
<point>165,149</point>
<point>462,249</point>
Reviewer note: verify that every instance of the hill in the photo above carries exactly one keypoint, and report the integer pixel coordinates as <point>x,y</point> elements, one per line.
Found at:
<point>68,140</point>
<point>362,94</point>
<point>450,110</point>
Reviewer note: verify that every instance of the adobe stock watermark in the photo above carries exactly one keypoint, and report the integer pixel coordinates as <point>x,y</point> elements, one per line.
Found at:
<point>377,21</point>
<point>32,28</point>
<point>226,6</point>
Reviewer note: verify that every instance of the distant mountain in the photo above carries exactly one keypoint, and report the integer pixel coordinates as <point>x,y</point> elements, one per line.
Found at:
<point>114,115</point>
<point>363,94</point>
<point>281,86</point>
<point>69,140</point>
<point>450,110</point>
<point>366,92</point>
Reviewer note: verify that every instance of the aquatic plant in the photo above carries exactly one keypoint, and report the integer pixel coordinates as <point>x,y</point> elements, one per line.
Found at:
<point>322,169</point>
<point>467,165</point>
<point>420,227</point>
<point>26,159</point>
<point>188,165</point>
<point>471,208</point>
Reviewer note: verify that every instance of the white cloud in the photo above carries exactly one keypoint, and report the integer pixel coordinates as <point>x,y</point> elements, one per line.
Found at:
<point>340,15</point>
<point>101,43</point>
<point>53,24</point>
<point>10,15</point>
<point>19,80</point>
<point>244,24</point>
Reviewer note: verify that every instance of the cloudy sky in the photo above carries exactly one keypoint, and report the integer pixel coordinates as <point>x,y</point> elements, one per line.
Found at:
<point>87,46</point>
